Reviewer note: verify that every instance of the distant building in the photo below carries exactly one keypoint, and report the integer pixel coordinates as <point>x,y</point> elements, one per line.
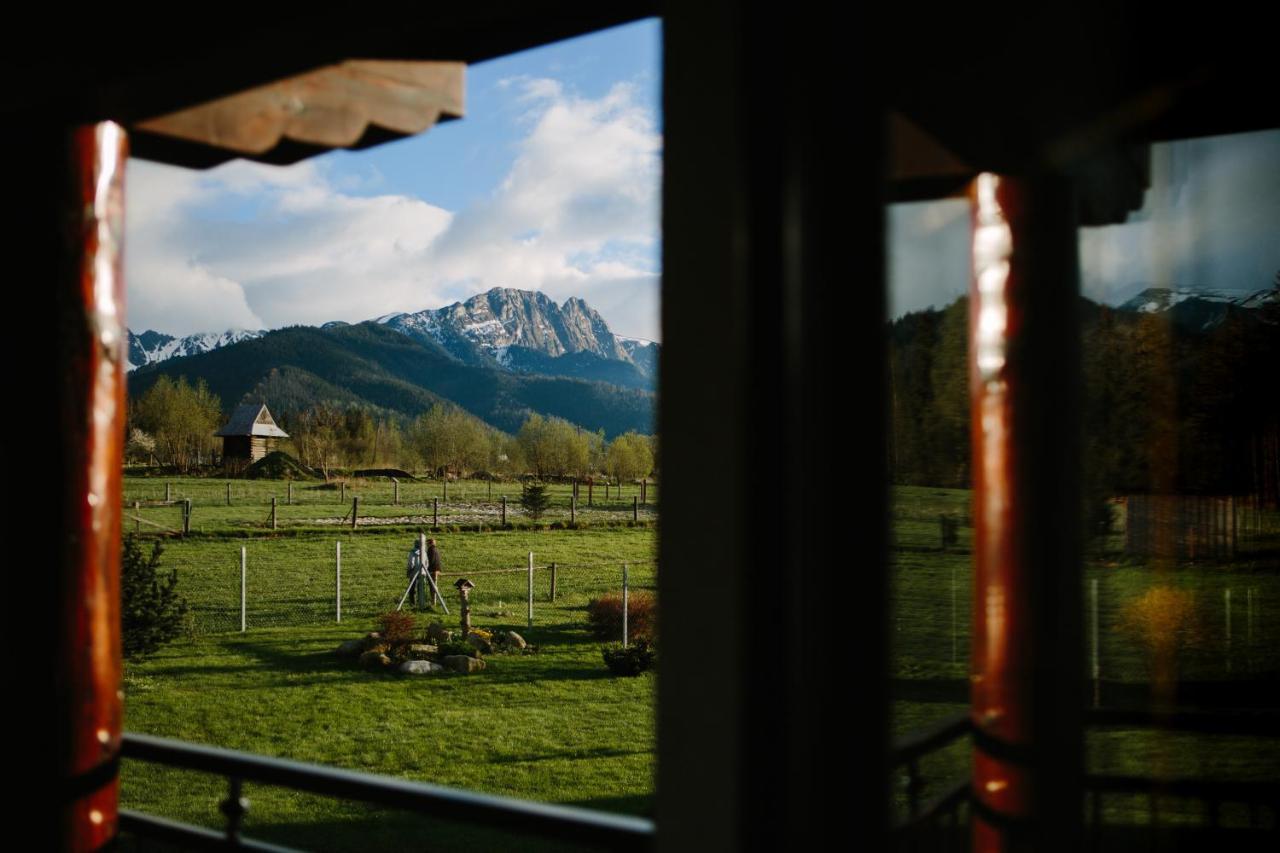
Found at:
<point>247,436</point>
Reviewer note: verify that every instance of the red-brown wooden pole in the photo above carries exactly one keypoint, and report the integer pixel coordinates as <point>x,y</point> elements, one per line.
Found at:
<point>89,695</point>
<point>1027,668</point>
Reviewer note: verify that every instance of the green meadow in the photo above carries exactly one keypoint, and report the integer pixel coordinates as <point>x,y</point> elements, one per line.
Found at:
<point>554,725</point>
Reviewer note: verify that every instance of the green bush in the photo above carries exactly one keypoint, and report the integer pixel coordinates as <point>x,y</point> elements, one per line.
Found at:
<point>633,660</point>
<point>453,647</point>
<point>151,611</point>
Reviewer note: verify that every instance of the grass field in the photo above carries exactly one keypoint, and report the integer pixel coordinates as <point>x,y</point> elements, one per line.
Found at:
<point>555,726</point>
<point>551,726</point>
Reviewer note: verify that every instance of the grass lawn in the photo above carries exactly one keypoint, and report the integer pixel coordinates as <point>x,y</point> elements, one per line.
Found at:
<point>552,726</point>
<point>555,726</point>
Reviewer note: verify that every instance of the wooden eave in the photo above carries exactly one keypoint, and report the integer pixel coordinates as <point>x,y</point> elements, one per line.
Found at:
<point>351,104</point>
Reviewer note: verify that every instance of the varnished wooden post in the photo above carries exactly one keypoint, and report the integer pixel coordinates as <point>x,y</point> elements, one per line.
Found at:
<point>1027,667</point>
<point>89,696</point>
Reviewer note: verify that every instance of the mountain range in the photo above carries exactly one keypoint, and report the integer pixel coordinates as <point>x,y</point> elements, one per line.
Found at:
<point>1199,309</point>
<point>500,355</point>
<point>512,330</point>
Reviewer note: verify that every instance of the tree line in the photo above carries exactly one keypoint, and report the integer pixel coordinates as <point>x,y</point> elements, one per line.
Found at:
<point>173,422</point>
<point>1166,408</point>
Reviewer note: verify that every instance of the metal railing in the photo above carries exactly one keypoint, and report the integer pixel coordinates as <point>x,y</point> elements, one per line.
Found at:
<point>560,823</point>
<point>934,824</point>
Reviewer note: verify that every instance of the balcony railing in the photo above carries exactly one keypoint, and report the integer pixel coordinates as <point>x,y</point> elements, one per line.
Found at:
<point>561,823</point>
<point>936,823</point>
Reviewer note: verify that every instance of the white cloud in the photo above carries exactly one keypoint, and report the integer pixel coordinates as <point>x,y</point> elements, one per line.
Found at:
<point>260,246</point>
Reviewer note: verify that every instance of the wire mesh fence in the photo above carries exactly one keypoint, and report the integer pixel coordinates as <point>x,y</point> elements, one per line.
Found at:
<point>235,585</point>
<point>1203,625</point>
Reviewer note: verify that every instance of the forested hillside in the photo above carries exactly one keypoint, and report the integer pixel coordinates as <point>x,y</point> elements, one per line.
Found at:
<point>1169,406</point>
<point>371,365</point>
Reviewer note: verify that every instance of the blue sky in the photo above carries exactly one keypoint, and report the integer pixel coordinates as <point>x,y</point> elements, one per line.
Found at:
<point>550,182</point>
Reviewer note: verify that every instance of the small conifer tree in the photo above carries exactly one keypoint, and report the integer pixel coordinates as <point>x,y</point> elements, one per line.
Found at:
<point>535,500</point>
<point>151,611</point>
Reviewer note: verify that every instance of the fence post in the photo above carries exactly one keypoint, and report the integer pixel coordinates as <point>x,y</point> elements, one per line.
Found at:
<point>228,493</point>
<point>644,491</point>
<point>445,486</point>
<point>337,565</point>
<point>355,511</point>
<point>1227,596</point>
<point>504,510</point>
<point>244,560</point>
<point>273,512</point>
<point>530,589</point>
<point>1248,627</point>
<point>424,595</point>
<point>625,604</point>
<point>553,583</point>
<point>186,517</point>
<point>343,487</point>
<point>573,509</point>
<point>435,512</point>
<point>955,641</point>
<point>590,488</point>
<point>290,498</point>
<point>167,497</point>
<point>1095,658</point>
<point>635,508</point>
<point>395,486</point>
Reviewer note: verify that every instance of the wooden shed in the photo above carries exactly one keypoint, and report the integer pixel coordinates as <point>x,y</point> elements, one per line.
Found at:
<point>247,436</point>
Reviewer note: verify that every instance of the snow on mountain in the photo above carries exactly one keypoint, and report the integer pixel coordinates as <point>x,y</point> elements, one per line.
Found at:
<point>486,326</point>
<point>152,346</point>
<point>517,330</point>
<point>1199,308</point>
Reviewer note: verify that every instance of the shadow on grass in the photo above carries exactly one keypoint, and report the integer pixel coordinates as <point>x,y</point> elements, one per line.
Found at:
<point>578,754</point>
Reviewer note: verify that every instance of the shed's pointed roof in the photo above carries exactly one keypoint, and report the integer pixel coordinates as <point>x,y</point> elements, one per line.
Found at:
<point>252,419</point>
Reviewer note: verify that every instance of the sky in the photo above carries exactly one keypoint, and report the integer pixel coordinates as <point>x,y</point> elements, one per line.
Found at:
<point>551,182</point>
<point>1210,220</point>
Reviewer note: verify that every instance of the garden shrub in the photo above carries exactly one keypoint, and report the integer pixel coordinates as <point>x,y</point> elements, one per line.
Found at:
<point>396,627</point>
<point>151,611</point>
<point>453,647</point>
<point>633,660</point>
<point>605,615</point>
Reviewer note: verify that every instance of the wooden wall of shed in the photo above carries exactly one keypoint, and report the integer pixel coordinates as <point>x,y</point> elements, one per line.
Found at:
<point>235,447</point>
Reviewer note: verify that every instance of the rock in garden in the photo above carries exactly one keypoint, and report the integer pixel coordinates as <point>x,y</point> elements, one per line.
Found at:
<point>480,643</point>
<point>374,660</point>
<point>464,664</point>
<point>514,639</point>
<point>350,648</point>
<point>422,649</point>
<point>420,667</point>
<point>437,633</point>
